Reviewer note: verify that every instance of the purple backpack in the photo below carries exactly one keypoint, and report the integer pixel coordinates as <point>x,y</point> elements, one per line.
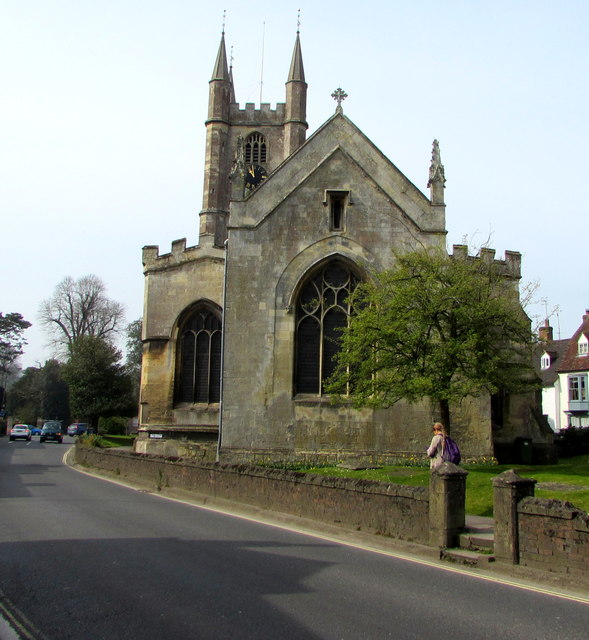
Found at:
<point>451,452</point>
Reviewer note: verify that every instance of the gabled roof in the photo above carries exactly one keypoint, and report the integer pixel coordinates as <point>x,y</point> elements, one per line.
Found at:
<point>571,360</point>
<point>340,135</point>
<point>556,350</point>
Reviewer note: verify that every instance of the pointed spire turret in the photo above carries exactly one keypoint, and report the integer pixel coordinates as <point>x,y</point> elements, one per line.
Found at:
<point>221,70</point>
<point>215,206</point>
<point>295,123</point>
<point>297,71</point>
<point>220,86</point>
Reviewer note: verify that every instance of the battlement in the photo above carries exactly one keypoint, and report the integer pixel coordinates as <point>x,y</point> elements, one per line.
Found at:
<point>180,254</point>
<point>510,266</point>
<point>250,116</point>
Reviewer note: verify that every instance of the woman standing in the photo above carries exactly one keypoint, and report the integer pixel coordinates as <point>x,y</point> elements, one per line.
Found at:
<point>436,448</point>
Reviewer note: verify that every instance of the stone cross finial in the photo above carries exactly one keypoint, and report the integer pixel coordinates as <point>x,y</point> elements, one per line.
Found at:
<point>339,95</point>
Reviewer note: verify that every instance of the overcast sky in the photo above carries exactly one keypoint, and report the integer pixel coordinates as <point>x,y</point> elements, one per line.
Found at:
<point>102,135</point>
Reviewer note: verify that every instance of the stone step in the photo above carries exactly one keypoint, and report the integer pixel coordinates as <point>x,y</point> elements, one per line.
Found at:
<point>479,527</point>
<point>474,540</point>
<point>466,557</point>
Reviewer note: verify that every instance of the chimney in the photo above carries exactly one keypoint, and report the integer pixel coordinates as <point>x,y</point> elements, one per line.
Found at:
<point>545,332</point>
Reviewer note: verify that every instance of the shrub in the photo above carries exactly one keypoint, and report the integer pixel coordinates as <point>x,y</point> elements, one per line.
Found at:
<point>573,441</point>
<point>93,440</point>
<point>115,425</point>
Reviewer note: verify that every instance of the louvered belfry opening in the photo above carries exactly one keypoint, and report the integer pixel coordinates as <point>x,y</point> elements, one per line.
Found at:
<point>322,310</point>
<point>255,149</point>
<point>199,368</point>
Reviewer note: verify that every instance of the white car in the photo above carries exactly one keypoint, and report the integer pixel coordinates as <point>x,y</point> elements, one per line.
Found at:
<point>20,432</point>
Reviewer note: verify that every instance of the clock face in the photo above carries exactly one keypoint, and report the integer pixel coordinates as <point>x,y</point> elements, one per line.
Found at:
<point>254,174</point>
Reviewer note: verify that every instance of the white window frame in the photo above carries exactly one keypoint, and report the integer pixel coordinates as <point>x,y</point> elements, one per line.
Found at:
<point>577,388</point>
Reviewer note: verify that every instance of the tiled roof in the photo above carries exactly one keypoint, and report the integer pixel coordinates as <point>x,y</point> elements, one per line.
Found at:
<point>571,360</point>
<point>556,349</point>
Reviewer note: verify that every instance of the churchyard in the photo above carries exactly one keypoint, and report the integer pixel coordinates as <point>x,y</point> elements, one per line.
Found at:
<point>567,480</point>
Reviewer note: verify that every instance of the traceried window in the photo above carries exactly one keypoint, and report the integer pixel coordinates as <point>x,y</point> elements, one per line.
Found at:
<point>199,362</point>
<point>322,310</point>
<point>255,149</point>
<point>583,347</point>
<point>545,361</point>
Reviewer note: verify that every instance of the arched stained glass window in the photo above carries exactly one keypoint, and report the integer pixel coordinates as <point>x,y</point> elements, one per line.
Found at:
<point>322,310</point>
<point>199,361</point>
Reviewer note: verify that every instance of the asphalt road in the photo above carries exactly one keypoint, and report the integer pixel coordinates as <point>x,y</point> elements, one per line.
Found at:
<point>87,559</point>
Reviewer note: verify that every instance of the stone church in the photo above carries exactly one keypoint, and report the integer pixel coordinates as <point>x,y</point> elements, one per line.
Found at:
<point>238,330</point>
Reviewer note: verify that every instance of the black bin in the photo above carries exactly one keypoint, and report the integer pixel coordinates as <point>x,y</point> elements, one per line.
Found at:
<point>523,450</point>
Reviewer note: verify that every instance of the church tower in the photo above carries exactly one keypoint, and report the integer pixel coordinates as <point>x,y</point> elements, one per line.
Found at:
<point>244,145</point>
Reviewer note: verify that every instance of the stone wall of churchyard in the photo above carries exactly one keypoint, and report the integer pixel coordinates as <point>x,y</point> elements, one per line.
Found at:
<point>391,510</point>
<point>553,535</point>
<point>540,533</point>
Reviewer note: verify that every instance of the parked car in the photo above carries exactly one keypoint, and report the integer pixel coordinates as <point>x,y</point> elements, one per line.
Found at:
<point>51,431</point>
<point>20,432</point>
<point>35,431</point>
<point>77,428</point>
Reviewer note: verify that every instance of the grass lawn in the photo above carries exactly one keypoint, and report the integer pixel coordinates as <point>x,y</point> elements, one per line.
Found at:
<point>119,441</point>
<point>573,472</point>
<point>108,441</point>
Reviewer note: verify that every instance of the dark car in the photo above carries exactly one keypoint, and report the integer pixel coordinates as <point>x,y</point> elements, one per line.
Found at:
<point>51,431</point>
<point>77,428</point>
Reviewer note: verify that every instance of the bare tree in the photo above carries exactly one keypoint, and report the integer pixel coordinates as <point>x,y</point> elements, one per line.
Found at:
<point>81,308</point>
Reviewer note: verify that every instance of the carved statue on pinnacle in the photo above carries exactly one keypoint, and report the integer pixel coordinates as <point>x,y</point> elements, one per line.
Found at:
<point>436,170</point>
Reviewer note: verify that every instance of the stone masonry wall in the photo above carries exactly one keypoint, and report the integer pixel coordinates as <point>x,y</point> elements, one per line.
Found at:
<point>553,536</point>
<point>391,510</point>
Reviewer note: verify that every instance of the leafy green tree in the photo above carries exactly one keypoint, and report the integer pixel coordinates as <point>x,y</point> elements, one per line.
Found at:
<point>54,392</point>
<point>12,341</point>
<point>434,326</point>
<point>40,392</point>
<point>98,383</point>
<point>134,354</point>
<point>23,400</point>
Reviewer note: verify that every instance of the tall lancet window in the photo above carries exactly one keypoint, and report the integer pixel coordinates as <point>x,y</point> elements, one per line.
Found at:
<point>199,360</point>
<point>255,149</point>
<point>322,310</point>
